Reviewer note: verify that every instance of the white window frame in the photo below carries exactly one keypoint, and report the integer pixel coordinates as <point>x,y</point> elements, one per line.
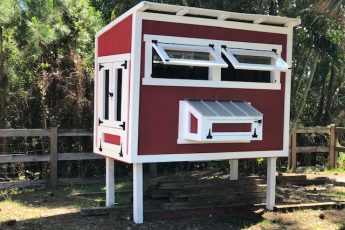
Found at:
<point>214,79</point>
<point>205,124</point>
<point>277,63</point>
<point>214,61</point>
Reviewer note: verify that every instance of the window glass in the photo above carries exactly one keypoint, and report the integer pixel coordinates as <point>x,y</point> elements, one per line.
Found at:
<point>232,74</point>
<point>188,55</point>
<point>160,70</point>
<point>106,94</point>
<point>118,95</point>
<point>260,60</point>
<point>253,59</point>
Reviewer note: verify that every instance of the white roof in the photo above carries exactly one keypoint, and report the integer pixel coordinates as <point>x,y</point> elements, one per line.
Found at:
<point>217,14</point>
<point>223,108</point>
<point>187,11</point>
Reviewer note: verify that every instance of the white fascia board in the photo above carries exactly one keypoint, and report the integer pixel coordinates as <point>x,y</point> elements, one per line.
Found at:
<point>222,15</point>
<point>214,23</point>
<point>207,156</point>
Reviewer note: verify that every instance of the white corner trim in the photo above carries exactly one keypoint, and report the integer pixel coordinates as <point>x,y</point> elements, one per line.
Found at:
<point>135,85</point>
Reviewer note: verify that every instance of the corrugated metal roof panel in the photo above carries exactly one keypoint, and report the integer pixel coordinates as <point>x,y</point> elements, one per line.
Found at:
<point>224,108</point>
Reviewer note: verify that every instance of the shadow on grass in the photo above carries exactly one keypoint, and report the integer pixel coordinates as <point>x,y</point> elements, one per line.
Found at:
<point>68,221</point>
<point>230,220</point>
<point>52,198</point>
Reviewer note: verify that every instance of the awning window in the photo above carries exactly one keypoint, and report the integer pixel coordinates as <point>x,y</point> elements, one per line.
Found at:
<point>188,55</point>
<point>249,59</point>
<point>220,121</point>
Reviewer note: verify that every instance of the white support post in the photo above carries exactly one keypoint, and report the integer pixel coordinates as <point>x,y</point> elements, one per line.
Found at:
<point>233,169</point>
<point>109,182</point>
<point>138,206</point>
<point>271,183</point>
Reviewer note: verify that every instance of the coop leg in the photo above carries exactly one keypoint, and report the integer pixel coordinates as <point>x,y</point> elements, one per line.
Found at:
<point>233,169</point>
<point>138,207</point>
<point>110,182</point>
<point>271,183</point>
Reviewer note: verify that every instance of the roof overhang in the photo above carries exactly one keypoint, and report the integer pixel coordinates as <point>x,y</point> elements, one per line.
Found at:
<point>186,11</point>
<point>217,14</point>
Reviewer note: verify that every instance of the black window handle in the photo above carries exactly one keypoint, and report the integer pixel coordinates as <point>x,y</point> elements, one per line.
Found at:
<point>111,94</point>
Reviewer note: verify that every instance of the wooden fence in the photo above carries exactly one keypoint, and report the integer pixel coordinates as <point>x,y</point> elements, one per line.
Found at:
<point>333,147</point>
<point>54,156</point>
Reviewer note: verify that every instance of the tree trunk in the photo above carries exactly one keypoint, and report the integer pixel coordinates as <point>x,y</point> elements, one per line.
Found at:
<point>323,97</point>
<point>306,91</point>
<point>3,85</point>
<point>330,94</point>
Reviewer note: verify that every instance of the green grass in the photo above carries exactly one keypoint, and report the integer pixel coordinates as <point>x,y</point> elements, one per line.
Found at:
<point>336,170</point>
<point>45,208</point>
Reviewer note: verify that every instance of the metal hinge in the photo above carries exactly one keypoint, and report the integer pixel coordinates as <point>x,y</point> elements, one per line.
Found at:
<point>100,145</point>
<point>255,135</point>
<point>100,121</point>
<point>209,136</point>
<point>123,125</point>
<point>120,153</point>
<point>124,64</point>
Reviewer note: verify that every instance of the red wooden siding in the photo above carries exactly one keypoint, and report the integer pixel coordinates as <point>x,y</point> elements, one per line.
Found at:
<point>219,127</point>
<point>112,139</point>
<point>193,124</point>
<point>116,40</point>
<point>159,105</point>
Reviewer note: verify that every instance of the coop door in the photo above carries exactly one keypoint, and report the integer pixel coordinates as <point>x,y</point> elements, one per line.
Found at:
<point>112,108</point>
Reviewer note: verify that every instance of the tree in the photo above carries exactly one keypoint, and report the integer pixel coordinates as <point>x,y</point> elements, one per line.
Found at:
<point>8,11</point>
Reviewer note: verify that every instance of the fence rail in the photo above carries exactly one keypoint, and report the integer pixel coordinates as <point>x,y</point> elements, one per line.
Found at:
<point>54,156</point>
<point>332,149</point>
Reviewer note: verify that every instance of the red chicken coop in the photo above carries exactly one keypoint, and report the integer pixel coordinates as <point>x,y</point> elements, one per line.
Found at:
<point>176,83</point>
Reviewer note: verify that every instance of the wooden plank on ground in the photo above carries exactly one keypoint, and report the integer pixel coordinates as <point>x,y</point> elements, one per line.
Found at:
<point>24,132</point>
<point>13,158</point>
<point>220,202</point>
<point>22,184</point>
<point>78,156</point>
<point>216,183</point>
<point>322,205</point>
